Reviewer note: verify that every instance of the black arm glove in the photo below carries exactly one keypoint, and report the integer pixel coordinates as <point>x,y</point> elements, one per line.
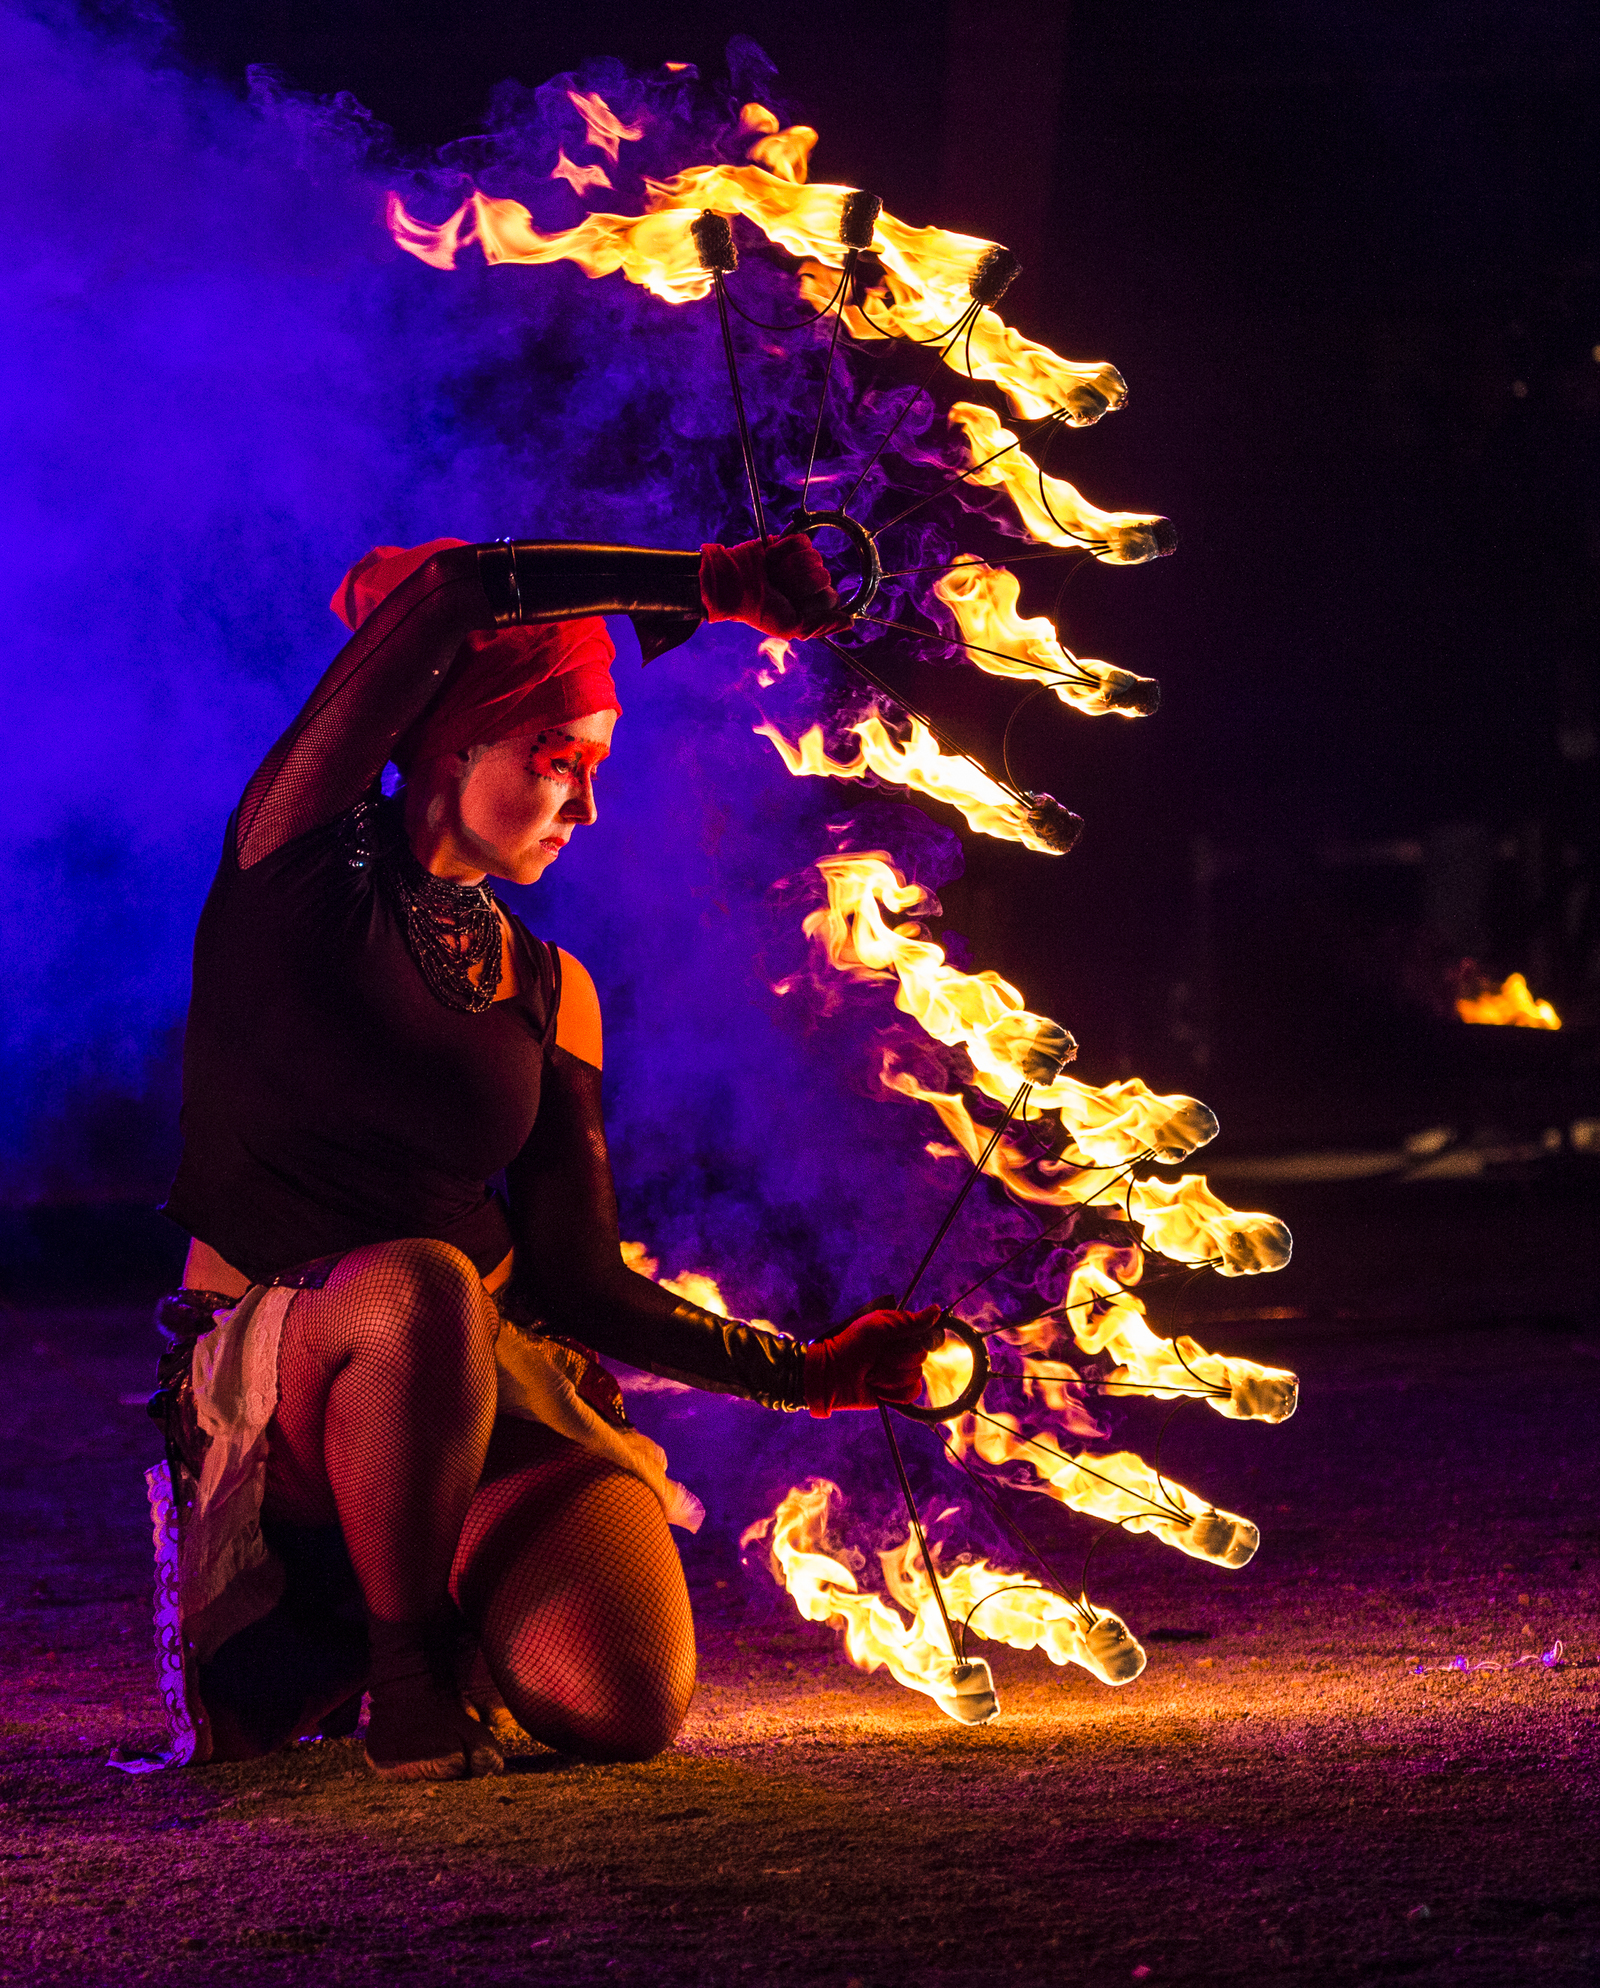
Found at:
<point>569,1268</point>
<point>537,580</point>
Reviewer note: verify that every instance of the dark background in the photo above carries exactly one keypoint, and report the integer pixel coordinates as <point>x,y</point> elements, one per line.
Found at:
<point>1345,256</point>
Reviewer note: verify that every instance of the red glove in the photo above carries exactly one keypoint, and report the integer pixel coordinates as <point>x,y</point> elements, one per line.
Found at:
<point>781,588</point>
<point>877,1357</point>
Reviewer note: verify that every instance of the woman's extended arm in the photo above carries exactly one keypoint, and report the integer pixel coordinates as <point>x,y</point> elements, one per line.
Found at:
<point>569,1267</point>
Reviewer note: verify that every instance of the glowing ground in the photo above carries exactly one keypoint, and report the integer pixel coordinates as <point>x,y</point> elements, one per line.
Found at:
<point>1277,1799</point>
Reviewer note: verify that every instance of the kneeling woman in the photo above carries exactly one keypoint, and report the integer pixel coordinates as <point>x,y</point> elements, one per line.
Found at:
<point>394,1457</point>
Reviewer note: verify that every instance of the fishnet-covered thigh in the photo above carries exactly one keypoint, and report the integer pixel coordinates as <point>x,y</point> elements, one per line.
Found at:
<point>386,1388</point>
<point>568,1575</point>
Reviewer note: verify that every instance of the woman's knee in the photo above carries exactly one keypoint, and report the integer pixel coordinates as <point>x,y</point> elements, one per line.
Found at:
<point>643,1722</point>
<point>575,1589</point>
<point>628,1704</point>
<point>417,1294</point>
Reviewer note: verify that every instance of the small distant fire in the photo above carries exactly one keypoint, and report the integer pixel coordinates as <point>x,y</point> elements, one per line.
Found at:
<point>1510,1005</point>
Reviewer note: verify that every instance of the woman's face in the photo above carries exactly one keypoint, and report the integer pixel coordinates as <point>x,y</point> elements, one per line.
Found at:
<point>507,810</point>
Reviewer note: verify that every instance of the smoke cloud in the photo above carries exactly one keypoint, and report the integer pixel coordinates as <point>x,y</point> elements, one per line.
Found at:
<point>225,383</point>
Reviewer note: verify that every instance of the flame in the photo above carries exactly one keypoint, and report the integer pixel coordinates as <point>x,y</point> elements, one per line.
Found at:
<point>877,1635</point>
<point>1510,1005</point>
<point>693,1285</point>
<point>654,250</point>
<point>579,178</point>
<point>926,286</point>
<point>926,272</point>
<point>603,129</point>
<point>978,1012</point>
<point>983,601</point>
<point>1103,1131</point>
<point>785,153</point>
<point>777,649</point>
<point>1106,1130</point>
<point>1101,1314</point>
<point>1120,538</point>
<point>1120,1487</point>
<point>918,763</point>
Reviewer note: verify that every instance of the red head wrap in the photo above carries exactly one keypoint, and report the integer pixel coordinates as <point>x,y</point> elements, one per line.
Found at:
<point>501,685</point>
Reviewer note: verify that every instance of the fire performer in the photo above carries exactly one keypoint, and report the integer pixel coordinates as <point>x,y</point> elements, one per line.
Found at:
<point>394,1457</point>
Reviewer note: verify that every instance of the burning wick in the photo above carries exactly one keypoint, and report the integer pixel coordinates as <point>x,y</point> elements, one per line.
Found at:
<point>968,1694</point>
<point>994,276</point>
<point>859,219</point>
<point>714,244</point>
<point>1056,826</point>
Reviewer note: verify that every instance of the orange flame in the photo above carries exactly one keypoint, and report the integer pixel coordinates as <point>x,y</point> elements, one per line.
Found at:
<point>785,153</point>
<point>926,271</point>
<point>1104,1129</point>
<point>579,178</point>
<point>1101,1314</point>
<point>1120,538</point>
<point>918,763</point>
<point>654,250</point>
<point>693,1285</point>
<point>1122,1487</point>
<point>605,130</point>
<point>1510,1005</point>
<point>983,601</point>
<point>917,1654</point>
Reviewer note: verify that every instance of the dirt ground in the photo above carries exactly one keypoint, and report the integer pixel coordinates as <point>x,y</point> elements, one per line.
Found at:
<point>1278,1798</point>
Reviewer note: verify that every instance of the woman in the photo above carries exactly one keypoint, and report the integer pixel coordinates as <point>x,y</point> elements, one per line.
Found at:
<point>373,1043</point>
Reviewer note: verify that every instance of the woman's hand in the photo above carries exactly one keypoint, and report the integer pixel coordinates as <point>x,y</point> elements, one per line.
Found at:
<point>782,588</point>
<point>877,1357</point>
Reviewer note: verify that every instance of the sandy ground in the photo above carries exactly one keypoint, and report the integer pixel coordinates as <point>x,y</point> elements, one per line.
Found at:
<point>1278,1798</point>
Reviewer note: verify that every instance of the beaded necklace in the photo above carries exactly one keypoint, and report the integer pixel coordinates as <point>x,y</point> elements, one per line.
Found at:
<point>452,929</point>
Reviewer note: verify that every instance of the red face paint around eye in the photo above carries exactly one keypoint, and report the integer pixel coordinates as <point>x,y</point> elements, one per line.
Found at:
<point>559,755</point>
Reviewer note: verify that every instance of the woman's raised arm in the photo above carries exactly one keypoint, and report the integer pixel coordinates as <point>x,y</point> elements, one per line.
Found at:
<point>379,683</point>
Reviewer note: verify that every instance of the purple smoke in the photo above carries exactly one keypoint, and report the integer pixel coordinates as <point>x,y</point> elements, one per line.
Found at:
<point>223,384</point>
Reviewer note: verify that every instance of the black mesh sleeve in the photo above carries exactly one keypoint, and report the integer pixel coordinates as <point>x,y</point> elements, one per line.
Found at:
<point>381,680</point>
<point>570,1273</point>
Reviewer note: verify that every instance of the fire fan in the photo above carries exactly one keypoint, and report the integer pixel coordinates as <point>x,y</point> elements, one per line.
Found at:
<point>866,281</point>
<point>876,332</point>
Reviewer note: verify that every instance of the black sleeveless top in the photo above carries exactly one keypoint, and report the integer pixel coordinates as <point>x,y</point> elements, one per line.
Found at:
<point>329,1100</point>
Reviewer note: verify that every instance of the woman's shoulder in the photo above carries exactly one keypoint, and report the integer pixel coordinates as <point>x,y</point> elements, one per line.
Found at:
<point>578,1028</point>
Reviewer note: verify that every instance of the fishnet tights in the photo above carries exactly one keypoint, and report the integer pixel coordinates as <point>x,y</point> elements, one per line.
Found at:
<point>568,1575</point>
<point>386,1391</point>
<point>561,1563</point>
